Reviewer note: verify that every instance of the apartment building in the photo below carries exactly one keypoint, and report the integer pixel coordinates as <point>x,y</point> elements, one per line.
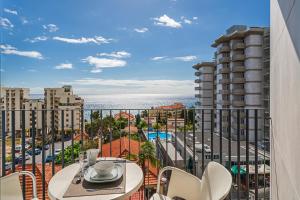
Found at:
<point>241,79</point>
<point>172,111</point>
<point>33,113</point>
<point>62,101</point>
<point>204,94</point>
<point>13,99</point>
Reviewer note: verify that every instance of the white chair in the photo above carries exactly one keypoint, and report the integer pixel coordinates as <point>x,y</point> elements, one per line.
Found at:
<point>215,184</point>
<point>11,189</point>
<point>181,184</point>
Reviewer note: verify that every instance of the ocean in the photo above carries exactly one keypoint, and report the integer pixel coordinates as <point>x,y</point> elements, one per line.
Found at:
<point>123,102</point>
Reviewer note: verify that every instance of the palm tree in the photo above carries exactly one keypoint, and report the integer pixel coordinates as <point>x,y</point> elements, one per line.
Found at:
<point>147,153</point>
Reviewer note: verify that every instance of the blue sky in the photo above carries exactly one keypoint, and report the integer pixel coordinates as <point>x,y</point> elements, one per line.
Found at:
<point>129,47</point>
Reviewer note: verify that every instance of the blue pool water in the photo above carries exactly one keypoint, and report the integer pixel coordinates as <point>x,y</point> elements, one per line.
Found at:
<point>161,135</point>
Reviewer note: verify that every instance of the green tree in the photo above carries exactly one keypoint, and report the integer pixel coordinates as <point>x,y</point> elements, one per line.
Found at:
<point>137,119</point>
<point>147,153</point>
<point>156,126</point>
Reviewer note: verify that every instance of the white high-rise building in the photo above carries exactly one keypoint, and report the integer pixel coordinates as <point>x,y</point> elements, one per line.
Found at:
<point>12,99</point>
<point>33,106</point>
<point>240,80</point>
<point>63,100</point>
<point>204,93</point>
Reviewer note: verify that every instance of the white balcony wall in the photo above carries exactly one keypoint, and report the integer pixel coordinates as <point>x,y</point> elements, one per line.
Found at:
<point>285,97</point>
<point>254,52</point>
<point>254,39</point>
<point>253,75</point>
<point>253,87</point>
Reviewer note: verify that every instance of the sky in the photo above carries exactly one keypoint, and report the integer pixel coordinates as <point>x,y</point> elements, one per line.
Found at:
<point>116,47</point>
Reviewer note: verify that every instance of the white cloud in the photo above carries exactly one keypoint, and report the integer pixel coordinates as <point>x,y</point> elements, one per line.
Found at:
<point>37,39</point>
<point>51,27</point>
<point>83,40</point>
<point>7,49</point>
<point>117,90</point>
<point>24,20</point>
<point>186,20</point>
<point>95,71</point>
<point>2,70</point>
<point>167,21</point>
<point>195,18</point>
<point>100,63</point>
<point>158,58</point>
<point>186,58</point>
<point>141,30</point>
<point>5,23</point>
<point>64,66</point>
<point>180,58</point>
<point>14,12</point>
<point>116,54</point>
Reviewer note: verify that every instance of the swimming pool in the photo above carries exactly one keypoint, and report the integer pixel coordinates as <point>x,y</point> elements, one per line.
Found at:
<point>161,135</point>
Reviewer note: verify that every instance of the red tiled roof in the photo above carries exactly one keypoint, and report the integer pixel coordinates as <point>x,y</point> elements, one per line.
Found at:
<point>174,106</point>
<point>124,115</point>
<point>78,137</point>
<point>123,152</point>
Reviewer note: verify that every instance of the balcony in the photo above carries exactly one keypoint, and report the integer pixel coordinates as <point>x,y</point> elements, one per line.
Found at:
<point>223,49</point>
<point>224,70</point>
<point>238,103</point>
<point>238,80</point>
<point>238,91</point>
<point>197,73</point>
<point>226,92</point>
<point>224,102</point>
<point>224,60</point>
<point>174,144</point>
<point>237,57</point>
<point>197,81</point>
<point>238,69</point>
<point>198,88</point>
<point>224,81</point>
<point>238,46</point>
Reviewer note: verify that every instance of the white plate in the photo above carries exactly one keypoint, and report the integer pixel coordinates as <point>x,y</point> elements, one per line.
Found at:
<point>116,174</point>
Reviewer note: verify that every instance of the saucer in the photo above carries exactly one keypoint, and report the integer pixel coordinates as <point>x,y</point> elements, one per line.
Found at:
<point>90,175</point>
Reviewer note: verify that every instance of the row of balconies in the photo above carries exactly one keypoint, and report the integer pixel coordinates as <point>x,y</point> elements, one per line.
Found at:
<point>235,69</point>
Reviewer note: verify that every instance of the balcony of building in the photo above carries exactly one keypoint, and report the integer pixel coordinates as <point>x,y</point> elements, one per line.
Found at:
<point>238,46</point>
<point>237,57</point>
<point>224,70</point>
<point>225,59</point>
<point>237,69</point>
<point>238,92</point>
<point>237,80</point>
<point>224,81</point>
<point>175,141</point>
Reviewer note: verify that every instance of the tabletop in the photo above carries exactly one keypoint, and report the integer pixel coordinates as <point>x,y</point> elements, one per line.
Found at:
<point>60,182</point>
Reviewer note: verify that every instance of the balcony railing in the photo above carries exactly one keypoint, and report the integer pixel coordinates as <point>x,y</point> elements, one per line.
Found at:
<point>179,140</point>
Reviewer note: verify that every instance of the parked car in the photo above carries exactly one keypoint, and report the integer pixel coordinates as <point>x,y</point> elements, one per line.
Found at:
<point>20,158</point>
<point>49,158</point>
<point>57,151</point>
<point>37,151</point>
<point>18,148</point>
<point>8,166</point>
<point>46,147</point>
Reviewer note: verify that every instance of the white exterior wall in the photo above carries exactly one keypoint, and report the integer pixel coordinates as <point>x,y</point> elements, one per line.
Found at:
<point>285,99</point>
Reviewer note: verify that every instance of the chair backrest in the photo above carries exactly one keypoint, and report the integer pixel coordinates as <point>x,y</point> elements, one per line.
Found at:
<point>184,185</point>
<point>216,182</point>
<point>10,187</point>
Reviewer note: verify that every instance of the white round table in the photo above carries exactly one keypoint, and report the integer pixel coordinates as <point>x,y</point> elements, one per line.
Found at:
<point>60,182</point>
